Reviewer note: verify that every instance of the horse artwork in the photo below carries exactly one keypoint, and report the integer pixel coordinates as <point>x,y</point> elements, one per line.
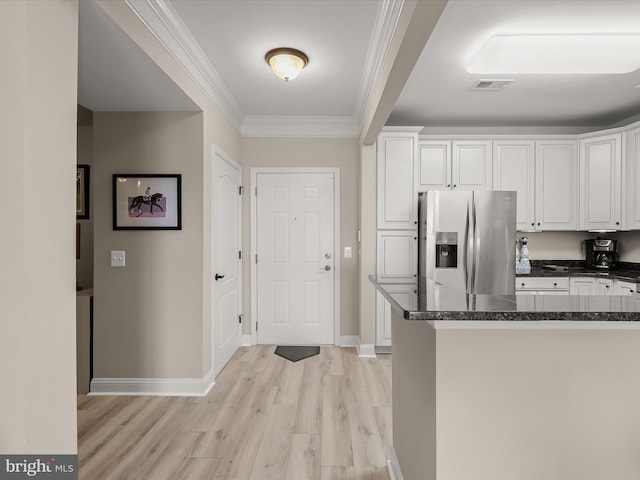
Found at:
<point>155,200</point>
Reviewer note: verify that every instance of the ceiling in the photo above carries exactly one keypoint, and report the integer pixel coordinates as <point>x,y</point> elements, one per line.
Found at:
<point>345,42</point>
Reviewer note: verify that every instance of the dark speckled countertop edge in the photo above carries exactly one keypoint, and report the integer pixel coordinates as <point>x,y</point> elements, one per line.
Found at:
<point>505,316</point>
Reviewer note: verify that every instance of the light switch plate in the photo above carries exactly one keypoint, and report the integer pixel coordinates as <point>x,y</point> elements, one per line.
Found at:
<point>117,258</point>
<point>348,252</point>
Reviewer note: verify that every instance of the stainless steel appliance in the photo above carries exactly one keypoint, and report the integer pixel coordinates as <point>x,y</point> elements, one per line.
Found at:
<point>466,240</point>
<point>602,253</point>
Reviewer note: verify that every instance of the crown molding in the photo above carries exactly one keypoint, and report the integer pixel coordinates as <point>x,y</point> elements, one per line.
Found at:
<point>300,126</point>
<point>385,24</point>
<point>167,26</point>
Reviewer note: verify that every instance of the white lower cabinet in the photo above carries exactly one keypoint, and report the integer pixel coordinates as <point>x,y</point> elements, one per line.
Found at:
<point>542,286</point>
<point>403,294</point>
<point>582,286</point>
<point>620,287</point>
<point>604,286</point>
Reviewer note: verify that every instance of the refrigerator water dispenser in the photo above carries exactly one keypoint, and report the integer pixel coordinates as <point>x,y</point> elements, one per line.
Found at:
<point>446,249</point>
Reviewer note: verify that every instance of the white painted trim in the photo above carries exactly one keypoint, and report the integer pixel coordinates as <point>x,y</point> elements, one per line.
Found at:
<point>246,341</point>
<point>336,241</point>
<point>367,350</point>
<point>379,43</point>
<point>383,349</point>
<point>216,150</point>
<point>164,22</point>
<point>300,126</point>
<point>394,466</point>
<point>185,387</point>
<point>349,341</point>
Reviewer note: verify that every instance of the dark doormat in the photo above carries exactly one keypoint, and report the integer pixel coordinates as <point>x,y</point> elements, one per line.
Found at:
<point>297,353</point>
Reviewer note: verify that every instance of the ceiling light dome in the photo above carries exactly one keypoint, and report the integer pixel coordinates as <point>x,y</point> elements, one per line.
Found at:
<point>286,63</point>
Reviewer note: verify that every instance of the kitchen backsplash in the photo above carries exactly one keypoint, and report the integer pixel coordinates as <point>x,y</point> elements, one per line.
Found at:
<point>570,246</point>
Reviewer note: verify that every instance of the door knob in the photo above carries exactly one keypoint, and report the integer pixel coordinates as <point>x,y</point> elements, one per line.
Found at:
<point>327,267</point>
<point>218,277</point>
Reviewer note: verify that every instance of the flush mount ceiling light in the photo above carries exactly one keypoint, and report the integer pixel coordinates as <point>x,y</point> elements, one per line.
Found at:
<point>557,54</point>
<point>286,63</point>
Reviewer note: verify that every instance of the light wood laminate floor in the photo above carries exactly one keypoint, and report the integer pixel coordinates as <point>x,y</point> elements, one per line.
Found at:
<point>327,417</point>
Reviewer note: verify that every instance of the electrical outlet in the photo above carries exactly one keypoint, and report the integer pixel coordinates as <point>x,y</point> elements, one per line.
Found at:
<point>117,258</point>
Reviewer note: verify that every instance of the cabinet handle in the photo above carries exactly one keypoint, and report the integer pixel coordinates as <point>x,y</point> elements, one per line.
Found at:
<point>522,284</point>
<point>606,286</point>
<point>538,223</point>
<point>555,284</point>
<point>617,223</point>
<point>533,224</point>
<point>448,185</point>
<point>454,186</point>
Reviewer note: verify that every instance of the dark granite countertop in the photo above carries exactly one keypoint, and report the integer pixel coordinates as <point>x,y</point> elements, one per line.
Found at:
<point>629,272</point>
<point>436,302</point>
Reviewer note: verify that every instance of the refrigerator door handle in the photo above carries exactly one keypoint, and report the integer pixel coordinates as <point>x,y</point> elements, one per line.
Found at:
<point>473,246</point>
<point>467,252</point>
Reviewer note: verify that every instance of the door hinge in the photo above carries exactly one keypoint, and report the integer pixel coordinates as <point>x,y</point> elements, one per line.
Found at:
<point>256,258</point>
<point>256,191</point>
<point>239,254</point>
<point>240,190</point>
<point>240,318</point>
<point>256,326</point>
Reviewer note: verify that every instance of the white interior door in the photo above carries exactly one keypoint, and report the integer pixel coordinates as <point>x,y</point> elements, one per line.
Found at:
<point>295,267</point>
<point>227,265</point>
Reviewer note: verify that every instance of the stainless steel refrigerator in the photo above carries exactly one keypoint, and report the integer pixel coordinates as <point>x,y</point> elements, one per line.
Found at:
<point>467,240</point>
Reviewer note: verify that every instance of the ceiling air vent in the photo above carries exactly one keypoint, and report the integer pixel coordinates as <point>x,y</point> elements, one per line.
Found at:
<point>490,85</point>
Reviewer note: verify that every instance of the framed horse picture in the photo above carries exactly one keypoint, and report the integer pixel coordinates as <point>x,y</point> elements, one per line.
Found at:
<point>147,202</point>
<point>82,191</point>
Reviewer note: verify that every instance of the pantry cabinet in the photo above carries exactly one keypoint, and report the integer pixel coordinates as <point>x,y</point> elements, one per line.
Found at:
<point>396,206</point>
<point>600,182</point>
<point>397,260</point>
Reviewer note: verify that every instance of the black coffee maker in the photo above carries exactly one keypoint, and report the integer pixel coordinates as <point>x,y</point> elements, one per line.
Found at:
<point>602,253</point>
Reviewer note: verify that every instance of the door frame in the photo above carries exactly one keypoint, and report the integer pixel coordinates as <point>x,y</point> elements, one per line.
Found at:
<point>217,151</point>
<point>336,241</point>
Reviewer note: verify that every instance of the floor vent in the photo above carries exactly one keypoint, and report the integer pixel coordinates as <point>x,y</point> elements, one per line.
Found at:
<point>490,85</point>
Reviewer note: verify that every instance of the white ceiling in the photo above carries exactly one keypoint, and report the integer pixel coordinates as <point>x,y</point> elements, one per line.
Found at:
<point>344,41</point>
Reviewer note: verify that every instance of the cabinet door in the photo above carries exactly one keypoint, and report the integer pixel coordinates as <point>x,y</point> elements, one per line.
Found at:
<point>624,288</point>
<point>397,207</point>
<point>405,295</point>
<point>582,286</point>
<point>513,169</point>
<point>433,165</point>
<point>632,180</point>
<point>472,166</point>
<point>600,182</point>
<point>397,256</point>
<point>557,185</point>
<point>604,286</point>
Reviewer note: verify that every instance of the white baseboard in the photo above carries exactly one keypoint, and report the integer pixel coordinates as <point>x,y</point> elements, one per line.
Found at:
<point>386,349</point>
<point>245,341</point>
<point>348,341</point>
<point>393,466</point>
<point>367,350</point>
<point>181,387</point>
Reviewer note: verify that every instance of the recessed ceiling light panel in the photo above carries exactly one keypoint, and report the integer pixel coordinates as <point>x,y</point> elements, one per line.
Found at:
<point>557,54</point>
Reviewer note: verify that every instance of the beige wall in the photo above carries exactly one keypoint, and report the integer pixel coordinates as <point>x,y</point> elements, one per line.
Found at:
<point>148,315</point>
<point>367,252</point>
<point>310,152</point>
<point>569,245</point>
<point>84,264</point>
<point>38,47</point>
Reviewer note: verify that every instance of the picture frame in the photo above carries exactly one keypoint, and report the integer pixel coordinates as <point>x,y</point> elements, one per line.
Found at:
<point>82,192</point>
<point>147,201</point>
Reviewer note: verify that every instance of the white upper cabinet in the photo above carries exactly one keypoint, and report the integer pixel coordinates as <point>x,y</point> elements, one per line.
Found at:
<point>397,207</point>
<point>600,182</point>
<point>513,170</point>
<point>632,179</point>
<point>457,164</point>
<point>433,166</point>
<point>556,185</point>
<point>471,165</point>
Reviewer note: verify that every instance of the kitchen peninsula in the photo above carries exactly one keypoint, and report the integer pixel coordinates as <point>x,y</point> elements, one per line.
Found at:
<point>514,388</point>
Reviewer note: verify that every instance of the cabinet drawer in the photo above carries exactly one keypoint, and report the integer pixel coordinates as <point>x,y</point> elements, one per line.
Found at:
<point>542,283</point>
